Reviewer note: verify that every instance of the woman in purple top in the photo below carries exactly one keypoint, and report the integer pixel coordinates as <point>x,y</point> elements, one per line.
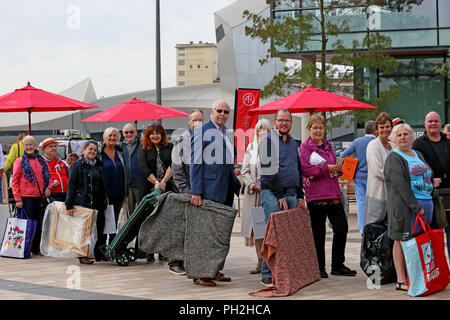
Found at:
<point>323,195</point>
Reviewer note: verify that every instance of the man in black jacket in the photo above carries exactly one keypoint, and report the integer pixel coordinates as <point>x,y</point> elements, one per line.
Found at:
<point>435,147</point>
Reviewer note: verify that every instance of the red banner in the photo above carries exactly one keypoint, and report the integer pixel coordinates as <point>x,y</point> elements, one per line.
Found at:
<point>244,122</point>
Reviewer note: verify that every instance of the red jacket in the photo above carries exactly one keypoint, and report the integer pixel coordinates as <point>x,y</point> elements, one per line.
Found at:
<point>59,172</point>
<point>21,186</point>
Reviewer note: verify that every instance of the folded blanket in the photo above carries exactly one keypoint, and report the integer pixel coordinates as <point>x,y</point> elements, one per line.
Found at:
<point>198,235</point>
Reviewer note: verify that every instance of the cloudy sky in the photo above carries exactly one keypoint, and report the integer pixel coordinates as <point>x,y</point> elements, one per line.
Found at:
<point>55,44</point>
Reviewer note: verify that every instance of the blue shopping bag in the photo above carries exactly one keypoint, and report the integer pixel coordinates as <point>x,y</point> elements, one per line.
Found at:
<point>18,236</point>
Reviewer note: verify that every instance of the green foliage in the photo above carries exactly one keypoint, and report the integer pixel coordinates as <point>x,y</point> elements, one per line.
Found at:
<point>295,33</point>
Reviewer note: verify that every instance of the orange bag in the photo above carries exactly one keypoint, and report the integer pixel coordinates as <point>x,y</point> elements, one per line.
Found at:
<point>349,168</point>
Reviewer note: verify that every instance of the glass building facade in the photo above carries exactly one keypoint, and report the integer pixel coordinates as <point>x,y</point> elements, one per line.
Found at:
<point>420,34</point>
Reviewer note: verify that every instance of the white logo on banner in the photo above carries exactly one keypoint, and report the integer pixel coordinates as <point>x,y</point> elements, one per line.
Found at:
<point>248,99</point>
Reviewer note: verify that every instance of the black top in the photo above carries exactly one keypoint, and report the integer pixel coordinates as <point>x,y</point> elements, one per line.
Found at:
<point>86,185</point>
<point>147,160</point>
<point>425,146</point>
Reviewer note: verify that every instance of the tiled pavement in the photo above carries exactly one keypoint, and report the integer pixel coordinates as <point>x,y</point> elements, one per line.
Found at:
<point>49,278</point>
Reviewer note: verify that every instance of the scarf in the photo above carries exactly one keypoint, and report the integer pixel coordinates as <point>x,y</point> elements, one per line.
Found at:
<point>28,171</point>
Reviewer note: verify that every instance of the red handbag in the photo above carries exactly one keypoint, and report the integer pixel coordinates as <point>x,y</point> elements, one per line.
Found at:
<point>426,261</point>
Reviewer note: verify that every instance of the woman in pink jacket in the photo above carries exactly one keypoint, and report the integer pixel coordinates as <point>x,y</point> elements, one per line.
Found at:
<point>323,196</point>
<point>31,180</point>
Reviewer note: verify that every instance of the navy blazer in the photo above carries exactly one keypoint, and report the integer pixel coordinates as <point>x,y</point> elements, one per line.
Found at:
<point>211,169</point>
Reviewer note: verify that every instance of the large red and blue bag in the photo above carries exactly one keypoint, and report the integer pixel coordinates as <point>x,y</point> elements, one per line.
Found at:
<point>426,262</point>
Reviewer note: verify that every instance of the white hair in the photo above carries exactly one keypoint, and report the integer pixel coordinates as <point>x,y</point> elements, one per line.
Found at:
<point>398,127</point>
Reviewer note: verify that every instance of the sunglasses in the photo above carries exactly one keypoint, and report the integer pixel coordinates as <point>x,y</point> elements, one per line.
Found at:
<point>128,132</point>
<point>222,111</point>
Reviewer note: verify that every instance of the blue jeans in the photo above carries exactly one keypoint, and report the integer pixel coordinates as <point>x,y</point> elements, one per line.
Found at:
<point>271,204</point>
<point>428,207</point>
<point>360,194</point>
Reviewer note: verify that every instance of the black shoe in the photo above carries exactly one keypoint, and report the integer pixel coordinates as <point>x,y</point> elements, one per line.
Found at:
<point>343,271</point>
<point>151,258</point>
<point>161,257</point>
<point>323,274</point>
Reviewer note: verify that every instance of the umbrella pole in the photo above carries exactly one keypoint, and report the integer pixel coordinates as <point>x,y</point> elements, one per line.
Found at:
<point>135,124</point>
<point>29,122</point>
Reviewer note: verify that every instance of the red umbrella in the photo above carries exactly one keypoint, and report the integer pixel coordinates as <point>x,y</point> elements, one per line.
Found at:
<point>135,110</point>
<point>30,99</point>
<point>313,100</point>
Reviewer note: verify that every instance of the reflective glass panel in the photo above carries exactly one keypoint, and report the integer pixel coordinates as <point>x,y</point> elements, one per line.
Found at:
<point>444,13</point>
<point>418,95</point>
<point>444,37</point>
<point>413,38</point>
<point>403,15</point>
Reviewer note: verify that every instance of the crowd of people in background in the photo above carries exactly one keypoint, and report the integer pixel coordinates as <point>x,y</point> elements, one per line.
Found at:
<point>394,178</point>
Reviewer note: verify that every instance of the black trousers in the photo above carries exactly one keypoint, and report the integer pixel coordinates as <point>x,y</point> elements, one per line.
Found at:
<point>101,238</point>
<point>33,210</point>
<point>319,211</point>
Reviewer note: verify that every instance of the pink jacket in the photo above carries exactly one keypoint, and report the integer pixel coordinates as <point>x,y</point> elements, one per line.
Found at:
<point>319,184</point>
<point>21,187</point>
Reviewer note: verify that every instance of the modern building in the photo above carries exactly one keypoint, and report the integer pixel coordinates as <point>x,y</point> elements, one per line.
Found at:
<point>197,63</point>
<point>420,34</point>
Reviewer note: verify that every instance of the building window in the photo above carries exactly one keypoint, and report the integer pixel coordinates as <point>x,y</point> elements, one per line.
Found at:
<point>206,67</point>
<point>181,73</point>
<point>219,33</point>
<point>181,54</point>
<point>198,66</point>
<point>181,62</point>
<point>181,49</point>
<point>190,66</point>
<point>180,83</point>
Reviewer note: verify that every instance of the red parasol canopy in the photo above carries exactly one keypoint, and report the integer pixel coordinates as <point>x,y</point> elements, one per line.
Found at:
<point>313,100</point>
<point>30,99</point>
<point>135,110</point>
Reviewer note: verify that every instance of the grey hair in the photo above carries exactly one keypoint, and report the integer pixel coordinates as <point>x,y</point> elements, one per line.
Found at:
<point>128,124</point>
<point>370,127</point>
<point>398,127</point>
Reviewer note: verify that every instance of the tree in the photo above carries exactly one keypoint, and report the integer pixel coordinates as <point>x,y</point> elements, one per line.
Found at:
<point>292,36</point>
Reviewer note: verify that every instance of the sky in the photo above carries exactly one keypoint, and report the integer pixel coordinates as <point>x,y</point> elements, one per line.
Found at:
<point>55,44</point>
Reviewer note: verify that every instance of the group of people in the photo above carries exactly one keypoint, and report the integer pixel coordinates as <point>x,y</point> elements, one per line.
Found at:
<point>396,175</point>
<point>393,182</point>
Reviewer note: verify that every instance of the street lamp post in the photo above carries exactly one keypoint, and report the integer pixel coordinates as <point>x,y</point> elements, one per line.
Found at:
<point>158,57</point>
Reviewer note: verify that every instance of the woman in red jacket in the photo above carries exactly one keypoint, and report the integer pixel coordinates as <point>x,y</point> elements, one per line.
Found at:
<point>31,180</point>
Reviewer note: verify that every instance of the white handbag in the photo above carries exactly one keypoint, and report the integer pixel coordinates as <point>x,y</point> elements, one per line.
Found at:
<point>110,220</point>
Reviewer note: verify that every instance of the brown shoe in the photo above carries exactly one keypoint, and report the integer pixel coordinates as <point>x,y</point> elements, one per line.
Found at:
<point>86,260</point>
<point>257,269</point>
<point>220,277</point>
<point>204,282</point>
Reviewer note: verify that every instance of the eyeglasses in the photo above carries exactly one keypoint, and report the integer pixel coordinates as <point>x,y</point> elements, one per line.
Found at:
<point>128,132</point>
<point>283,121</point>
<point>222,111</point>
<point>317,128</point>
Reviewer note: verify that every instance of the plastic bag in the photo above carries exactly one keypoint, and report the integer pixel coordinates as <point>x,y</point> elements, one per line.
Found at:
<point>65,236</point>
<point>376,254</point>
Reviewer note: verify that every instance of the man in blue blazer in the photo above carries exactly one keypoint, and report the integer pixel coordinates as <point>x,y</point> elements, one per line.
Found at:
<point>212,167</point>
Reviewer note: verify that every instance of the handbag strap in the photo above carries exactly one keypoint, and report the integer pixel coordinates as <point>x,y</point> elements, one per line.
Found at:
<point>423,223</point>
<point>258,199</point>
<point>21,211</point>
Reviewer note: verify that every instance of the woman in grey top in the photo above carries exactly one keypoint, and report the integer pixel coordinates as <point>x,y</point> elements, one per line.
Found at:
<point>409,185</point>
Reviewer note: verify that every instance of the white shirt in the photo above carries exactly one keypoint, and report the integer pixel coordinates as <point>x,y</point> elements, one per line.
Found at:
<point>2,158</point>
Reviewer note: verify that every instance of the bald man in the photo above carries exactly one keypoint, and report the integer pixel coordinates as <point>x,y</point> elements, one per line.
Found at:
<point>435,147</point>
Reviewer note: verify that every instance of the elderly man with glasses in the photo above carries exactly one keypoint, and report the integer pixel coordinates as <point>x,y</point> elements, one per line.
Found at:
<point>131,146</point>
<point>211,169</point>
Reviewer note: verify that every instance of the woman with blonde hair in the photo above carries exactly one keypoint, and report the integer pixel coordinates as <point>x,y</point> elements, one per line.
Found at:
<point>251,174</point>
<point>114,171</point>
